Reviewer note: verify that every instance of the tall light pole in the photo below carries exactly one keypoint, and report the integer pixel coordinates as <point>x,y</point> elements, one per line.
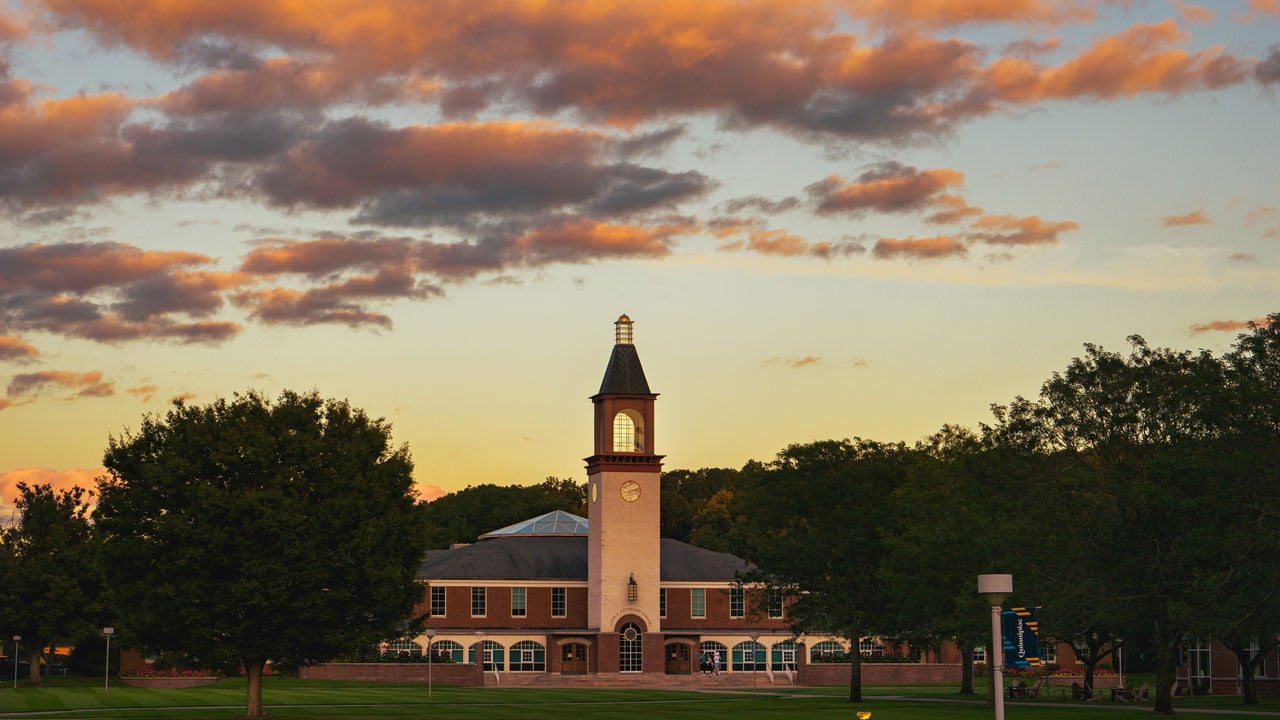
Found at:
<point>755,635</point>
<point>995,589</point>
<point>431,632</point>
<point>16,639</point>
<point>106,674</point>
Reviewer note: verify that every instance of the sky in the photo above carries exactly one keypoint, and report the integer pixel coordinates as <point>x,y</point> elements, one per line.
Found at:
<point>866,218</point>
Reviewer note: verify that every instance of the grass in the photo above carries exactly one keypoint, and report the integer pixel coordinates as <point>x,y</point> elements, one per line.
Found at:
<point>292,698</point>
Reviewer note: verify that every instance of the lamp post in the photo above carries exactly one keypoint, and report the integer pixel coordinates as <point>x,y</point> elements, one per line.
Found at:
<point>106,674</point>
<point>16,639</point>
<point>755,635</point>
<point>430,632</point>
<point>995,589</point>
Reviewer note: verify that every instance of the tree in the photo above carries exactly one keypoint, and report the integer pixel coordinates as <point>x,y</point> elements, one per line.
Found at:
<point>254,530</point>
<point>464,515</point>
<point>814,525</point>
<point>952,526</point>
<point>51,578</point>
<point>1123,436</point>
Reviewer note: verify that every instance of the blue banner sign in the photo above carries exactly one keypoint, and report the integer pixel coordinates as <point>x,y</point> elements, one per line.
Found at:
<point>1018,632</point>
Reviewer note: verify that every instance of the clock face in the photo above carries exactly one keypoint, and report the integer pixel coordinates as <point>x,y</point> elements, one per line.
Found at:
<point>630,491</point>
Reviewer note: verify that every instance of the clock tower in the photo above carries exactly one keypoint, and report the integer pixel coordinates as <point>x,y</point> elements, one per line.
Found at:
<point>623,493</point>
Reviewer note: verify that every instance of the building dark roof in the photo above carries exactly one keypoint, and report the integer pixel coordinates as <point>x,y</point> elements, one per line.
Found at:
<point>624,375</point>
<point>565,558</point>
<point>510,558</point>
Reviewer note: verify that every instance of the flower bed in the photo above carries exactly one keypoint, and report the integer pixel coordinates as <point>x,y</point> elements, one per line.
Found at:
<point>169,681</point>
<point>168,678</point>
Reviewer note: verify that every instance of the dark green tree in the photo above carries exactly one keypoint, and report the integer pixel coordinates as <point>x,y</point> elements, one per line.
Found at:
<point>255,530</point>
<point>814,525</point>
<point>958,513</point>
<point>51,580</point>
<point>1119,435</point>
<point>463,516</point>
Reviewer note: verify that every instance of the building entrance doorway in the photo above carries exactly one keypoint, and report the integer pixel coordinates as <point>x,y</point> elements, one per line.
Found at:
<point>573,659</point>
<point>677,655</point>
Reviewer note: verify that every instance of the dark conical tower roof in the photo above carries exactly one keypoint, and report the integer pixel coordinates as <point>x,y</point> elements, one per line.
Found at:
<point>624,375</point>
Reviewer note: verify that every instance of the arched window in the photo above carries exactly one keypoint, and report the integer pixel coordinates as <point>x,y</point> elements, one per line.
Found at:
<point>826,651</point>
<point>404,647</point>
<point>783,656</point>
<point>710,648</point>
<point>870,647</point>
<point>493,655</point>
<point>748,656</point>
<point>628,432</point>
<point>630,649</point>
<point>447,648</point>
<point>527,656</point>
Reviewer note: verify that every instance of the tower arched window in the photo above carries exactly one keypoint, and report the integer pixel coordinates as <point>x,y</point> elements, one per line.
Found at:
<point>628,432</point>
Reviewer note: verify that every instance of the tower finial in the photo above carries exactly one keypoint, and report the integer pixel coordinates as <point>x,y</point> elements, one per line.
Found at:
<point>622,332</point>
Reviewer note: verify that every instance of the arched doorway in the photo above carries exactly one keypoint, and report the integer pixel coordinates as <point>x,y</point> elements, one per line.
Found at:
<point>630,649</point>
<point>678,658</point>
<point>573,658</point>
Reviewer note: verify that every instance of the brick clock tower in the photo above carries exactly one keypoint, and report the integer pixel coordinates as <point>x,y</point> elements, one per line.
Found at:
<point>623,492</point>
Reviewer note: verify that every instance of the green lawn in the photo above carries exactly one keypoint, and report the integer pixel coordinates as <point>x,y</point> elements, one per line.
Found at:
<point>291,698</point>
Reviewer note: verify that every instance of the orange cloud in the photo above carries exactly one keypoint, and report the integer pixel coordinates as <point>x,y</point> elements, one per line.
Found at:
<point>950,13</point>
<point>428,493</point>
<point>1228,325</point>
<point>1192,14</point>
<point>954,209</point>
<point>1196,217</point>
<point>56,479</point>
<point>1268,7</point>
<point>146,391</point>
<point>12,348</point>
<point>578,240</point>
<point>930,248</point>
<point>887,187</point>
<point>89,384</point>
<point>795,362</point>
<point>1140,59</point>
<point>1010,230</point>
<point>1263,213</point>
<point>111,292</point>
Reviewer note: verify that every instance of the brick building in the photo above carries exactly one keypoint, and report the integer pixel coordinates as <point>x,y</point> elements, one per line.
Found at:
<point>605,594</point>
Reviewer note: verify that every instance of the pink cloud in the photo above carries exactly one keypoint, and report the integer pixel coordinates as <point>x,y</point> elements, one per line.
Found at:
<point>1195,217</point>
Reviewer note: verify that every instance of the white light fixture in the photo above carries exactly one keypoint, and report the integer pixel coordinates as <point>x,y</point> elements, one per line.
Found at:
<point>995,589</point>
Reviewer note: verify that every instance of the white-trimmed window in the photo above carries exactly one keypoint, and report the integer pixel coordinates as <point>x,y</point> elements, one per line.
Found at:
<point>479,602</point>
<point>519,602</point>
<point>630,649</point>
<point>404,647</point>
<point>709,648</point>
<point>870,647</point>
<point>737,603</point>
<point>450,648</point>
<point>783,656</point>
<point>825,651</point>
<point>980,654</point>
<point>698,602</point>
<point>748,656</point>
<point>1199,662</point>
<point>437,602</point>
<point>559,602</point>
<point>775,604</point>
<point>527,656</point>
<point>662,602</point>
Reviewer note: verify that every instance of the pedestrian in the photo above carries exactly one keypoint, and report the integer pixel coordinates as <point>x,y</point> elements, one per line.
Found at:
<point>715,664</point>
